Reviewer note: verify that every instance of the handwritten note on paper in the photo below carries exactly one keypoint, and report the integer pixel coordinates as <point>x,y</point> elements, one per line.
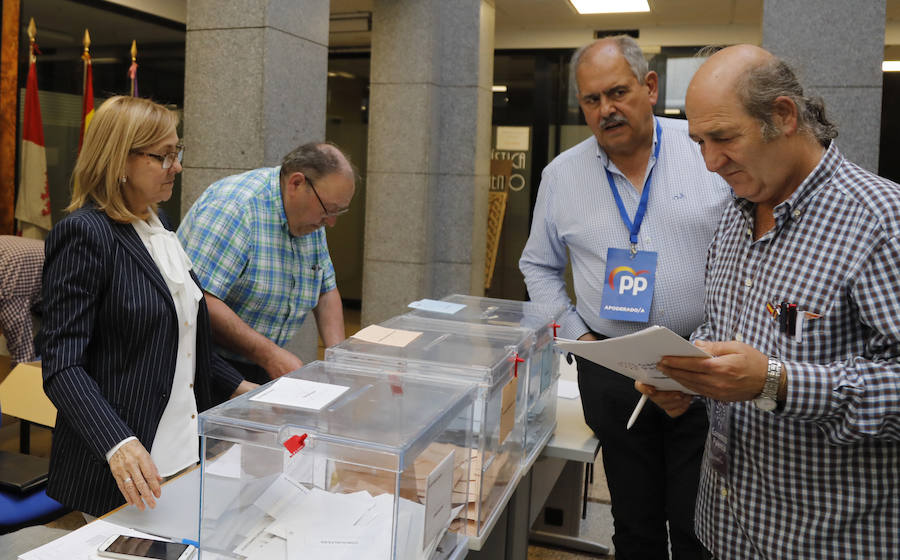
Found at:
<point>437,306</point>
<point>636,355</point>
<point>300,393</point>
<point>388,337</point>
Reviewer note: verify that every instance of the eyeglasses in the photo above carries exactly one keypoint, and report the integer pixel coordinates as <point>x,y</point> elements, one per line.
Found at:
<point>167,159</point>
<point>328,214</point>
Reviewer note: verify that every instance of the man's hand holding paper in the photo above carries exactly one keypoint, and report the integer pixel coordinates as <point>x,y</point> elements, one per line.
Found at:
<point>637,355</point>
<point>737,373</point>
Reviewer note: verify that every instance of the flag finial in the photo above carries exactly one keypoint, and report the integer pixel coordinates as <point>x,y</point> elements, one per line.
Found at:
<point>32,30</point>
<point>86,41</point>
<point>132,70</point>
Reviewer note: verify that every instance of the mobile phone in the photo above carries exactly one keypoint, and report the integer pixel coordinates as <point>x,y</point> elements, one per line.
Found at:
<point>140,548</point>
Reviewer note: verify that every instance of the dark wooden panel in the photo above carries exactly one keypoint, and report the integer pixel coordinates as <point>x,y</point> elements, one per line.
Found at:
<point>9,78</point>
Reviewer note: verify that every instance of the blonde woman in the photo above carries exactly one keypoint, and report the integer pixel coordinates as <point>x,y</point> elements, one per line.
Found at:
<point>126,355</point>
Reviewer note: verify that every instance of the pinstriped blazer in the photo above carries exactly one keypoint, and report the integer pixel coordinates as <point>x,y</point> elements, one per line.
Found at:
<point>110,341</point>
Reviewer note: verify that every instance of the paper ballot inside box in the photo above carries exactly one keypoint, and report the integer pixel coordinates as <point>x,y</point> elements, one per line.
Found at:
<point>636,355</point>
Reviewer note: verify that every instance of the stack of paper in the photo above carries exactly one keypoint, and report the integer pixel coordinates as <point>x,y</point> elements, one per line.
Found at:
<point>301,523</point>
<point>636,355</point>
<point>81,543</point>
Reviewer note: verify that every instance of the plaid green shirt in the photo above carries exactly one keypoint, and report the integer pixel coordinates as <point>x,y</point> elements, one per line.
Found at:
<point>236,235</point>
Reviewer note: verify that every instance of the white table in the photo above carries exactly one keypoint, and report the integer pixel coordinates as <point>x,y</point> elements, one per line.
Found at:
<point>568,455</point>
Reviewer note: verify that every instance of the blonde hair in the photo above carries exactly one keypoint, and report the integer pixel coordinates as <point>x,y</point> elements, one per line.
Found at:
<point>120,125</point>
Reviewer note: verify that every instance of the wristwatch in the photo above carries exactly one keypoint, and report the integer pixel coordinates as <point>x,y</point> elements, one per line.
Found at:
<point>768,399</point>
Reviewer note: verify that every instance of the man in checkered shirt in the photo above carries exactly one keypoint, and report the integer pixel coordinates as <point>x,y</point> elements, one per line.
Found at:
<point>257,242</point>
<point>803,317</point>
<point>21,263</point>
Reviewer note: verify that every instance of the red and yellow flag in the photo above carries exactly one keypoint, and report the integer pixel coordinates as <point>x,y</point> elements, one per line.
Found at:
<point>33,200</point>
<point>87,99</point>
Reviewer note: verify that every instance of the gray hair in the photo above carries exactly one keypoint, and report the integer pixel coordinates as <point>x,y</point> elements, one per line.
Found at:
<point>759,88</point>
<point>629,49</point>
<point>316,159</point>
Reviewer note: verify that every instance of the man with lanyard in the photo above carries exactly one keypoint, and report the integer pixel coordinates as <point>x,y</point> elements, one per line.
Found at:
<point>629,274</point>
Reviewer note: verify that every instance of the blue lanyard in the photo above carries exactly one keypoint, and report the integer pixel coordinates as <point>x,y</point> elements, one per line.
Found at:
<point>635,227</point>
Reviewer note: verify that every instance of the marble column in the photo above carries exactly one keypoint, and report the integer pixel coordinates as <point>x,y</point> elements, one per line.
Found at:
<point>838,48</point>
<point>254,89</point>
<point>429,152</point>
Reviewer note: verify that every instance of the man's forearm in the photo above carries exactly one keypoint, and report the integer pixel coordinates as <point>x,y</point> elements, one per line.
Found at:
<point>231,332</point>
<point>329,313</point>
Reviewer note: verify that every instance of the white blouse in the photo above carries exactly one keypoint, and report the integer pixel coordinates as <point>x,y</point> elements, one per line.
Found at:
<point>176,445</point>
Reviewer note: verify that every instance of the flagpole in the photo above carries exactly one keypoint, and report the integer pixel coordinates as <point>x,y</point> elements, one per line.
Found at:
<point>86,57</point>
<point>32,208</point>
<point>132,70</point>
<point>87,88</point>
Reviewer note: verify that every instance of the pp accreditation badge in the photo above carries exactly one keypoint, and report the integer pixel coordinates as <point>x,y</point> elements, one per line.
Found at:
<point>628,285</point>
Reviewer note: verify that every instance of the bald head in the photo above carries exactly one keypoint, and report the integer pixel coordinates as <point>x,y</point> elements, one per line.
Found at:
<point>759,82</point>
<point>756,128</point>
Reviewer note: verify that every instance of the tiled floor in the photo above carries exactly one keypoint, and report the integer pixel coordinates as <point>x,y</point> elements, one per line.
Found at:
<point>597,527</point>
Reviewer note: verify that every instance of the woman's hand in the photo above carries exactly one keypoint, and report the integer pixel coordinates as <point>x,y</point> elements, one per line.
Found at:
<point>136,475</point>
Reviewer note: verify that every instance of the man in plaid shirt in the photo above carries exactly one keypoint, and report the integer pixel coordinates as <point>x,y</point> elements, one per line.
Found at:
<point>257,243</point>
<point>802,315</point>
<point>21,263</point>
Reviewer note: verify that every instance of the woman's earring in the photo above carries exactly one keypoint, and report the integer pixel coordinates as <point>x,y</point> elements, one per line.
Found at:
<point>123,179</point>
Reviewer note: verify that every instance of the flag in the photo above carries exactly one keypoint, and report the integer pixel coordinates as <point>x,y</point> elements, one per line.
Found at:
<point>87,99</point>
<point>33,201</point>
<point>132,70</point>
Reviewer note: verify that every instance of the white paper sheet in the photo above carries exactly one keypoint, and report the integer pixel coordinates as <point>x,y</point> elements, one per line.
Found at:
<point>228,464</point>
<point>438,489</point>
<point>567,389</point>
<point>300,393</point>
<point>80,543</point>
<point>636,355</point>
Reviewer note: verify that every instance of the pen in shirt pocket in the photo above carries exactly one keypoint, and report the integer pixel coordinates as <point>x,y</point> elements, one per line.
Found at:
<point>790,318</point>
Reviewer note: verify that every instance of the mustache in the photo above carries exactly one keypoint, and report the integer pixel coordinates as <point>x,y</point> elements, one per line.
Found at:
<point>615,118</point>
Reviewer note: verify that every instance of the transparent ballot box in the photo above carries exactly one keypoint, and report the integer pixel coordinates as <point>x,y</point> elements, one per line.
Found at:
<point>337,462</point>
<point>484,355</point>
<point>535,321</point>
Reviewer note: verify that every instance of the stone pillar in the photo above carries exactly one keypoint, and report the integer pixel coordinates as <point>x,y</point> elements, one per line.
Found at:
<point>429,152</point>
<point>254,89</point>
<point>838,47</point>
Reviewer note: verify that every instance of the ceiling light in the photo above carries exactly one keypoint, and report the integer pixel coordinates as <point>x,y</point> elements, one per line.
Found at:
<point>890,66</point>
<point>609,6</point>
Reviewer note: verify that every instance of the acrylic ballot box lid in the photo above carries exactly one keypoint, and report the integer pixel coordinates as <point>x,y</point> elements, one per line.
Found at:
<point>392,415</point>
<point>489,311</point>
<point>339,461</point>
<point>483,354</point>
